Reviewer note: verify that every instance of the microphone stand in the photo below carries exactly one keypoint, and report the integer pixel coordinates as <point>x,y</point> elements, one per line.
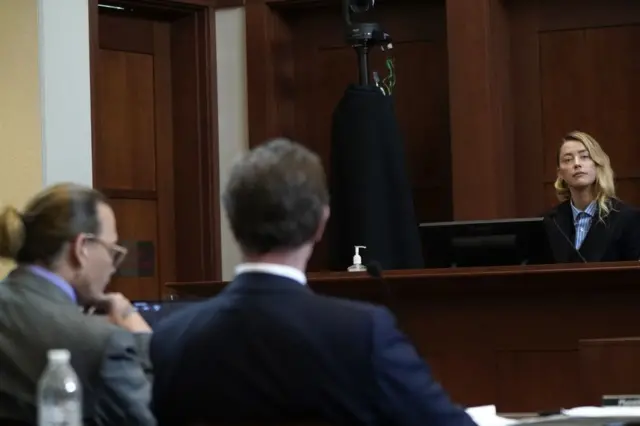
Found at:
<point>362,49</point>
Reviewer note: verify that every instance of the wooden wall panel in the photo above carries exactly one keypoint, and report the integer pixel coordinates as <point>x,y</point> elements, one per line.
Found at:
<point>502,348</point>
<point>481,112</point>
<point>195,153</point>
<point>478,384</point>
<point>574,67</point>
<point>609,367</point>
<point>552,377</point>
<point>127,122</point>
<point>307,67</point>
<point>139,223</point>
<point>269,61</point>
<point>528,173</point>
<point>601,96</point>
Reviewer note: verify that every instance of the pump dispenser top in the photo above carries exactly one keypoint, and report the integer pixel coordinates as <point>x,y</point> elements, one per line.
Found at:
<point>357,261</point>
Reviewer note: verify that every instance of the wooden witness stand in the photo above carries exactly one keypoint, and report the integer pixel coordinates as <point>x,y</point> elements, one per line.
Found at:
<point>508,336</point>
<point>610,367</point>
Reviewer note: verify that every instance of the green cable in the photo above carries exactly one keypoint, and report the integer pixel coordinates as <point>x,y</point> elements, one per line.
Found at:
<point>389,81</point>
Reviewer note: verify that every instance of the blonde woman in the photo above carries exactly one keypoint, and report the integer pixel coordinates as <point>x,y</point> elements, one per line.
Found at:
<point>590,224</point>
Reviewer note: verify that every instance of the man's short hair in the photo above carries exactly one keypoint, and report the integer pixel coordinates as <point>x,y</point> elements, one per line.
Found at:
<point>275,197</point>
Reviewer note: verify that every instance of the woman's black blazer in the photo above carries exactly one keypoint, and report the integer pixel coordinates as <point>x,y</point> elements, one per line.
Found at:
<point>616,238</point>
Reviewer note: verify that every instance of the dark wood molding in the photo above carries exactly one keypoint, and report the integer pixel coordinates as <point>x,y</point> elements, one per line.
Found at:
<point>469,281</point>
<point>260,67</point>
<point>129,194</point>
<point>179,5</point>
<point>209,129</point>
<point>196,154</point>
<point>226,4</point>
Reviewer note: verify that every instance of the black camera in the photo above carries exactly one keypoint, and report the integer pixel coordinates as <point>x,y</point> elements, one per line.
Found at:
<point>362,33</point>
<point>361,6</point>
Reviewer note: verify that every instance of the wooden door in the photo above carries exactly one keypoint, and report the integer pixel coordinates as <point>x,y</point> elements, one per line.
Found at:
<point>133,148</point>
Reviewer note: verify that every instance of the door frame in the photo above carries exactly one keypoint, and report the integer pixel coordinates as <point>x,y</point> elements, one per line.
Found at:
<point>195,194</point>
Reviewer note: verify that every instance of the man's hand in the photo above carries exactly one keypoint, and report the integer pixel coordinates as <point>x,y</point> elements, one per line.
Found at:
<point>121,312</point>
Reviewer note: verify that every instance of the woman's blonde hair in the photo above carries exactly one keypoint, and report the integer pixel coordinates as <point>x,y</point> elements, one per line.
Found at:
<point>604,186</point>
<point>51,219</point>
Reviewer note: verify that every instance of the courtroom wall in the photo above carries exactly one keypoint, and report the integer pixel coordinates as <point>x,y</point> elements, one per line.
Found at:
<point>232,114</point>
<point>65,73</point>
<point>20,114</point>
<point>45,115</point>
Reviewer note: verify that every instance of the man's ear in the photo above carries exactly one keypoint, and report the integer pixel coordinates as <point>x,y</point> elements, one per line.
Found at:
<point>326,213</point>
<point>78,250</point>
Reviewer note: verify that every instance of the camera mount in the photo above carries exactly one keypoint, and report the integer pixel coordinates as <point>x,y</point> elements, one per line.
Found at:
<point>363,35</point>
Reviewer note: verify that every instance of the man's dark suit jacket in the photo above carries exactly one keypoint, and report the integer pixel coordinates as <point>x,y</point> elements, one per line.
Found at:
<point>268,349</point>
<point>111,363</point>
<point>615,238</point>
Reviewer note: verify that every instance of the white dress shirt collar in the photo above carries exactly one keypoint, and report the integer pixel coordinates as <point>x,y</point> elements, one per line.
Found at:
<point>273,269</point>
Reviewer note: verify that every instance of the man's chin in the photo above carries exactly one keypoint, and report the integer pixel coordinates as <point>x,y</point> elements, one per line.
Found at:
<point>88,298</point>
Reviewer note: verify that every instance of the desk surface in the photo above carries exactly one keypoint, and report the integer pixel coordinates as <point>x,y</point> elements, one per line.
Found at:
<point>541,277</point>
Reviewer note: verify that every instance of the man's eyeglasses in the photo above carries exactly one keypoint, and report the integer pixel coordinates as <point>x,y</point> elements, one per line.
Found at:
<point>117,252</point>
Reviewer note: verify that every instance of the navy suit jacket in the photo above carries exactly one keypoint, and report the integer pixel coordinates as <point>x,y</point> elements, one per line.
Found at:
<point>269,349</point>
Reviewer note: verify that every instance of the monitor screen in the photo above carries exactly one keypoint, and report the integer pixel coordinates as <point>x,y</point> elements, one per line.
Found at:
<point>485,243</point>
<point>154,311</point>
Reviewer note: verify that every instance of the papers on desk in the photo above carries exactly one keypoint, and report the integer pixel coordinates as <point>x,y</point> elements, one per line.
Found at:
<point>588,416</point>
<point>485,415</point>
<point>598,412</point>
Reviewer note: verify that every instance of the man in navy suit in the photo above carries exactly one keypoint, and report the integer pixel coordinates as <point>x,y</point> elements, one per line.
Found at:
<point>267,349</point>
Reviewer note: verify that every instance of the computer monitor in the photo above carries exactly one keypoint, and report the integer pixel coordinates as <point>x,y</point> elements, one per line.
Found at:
<point>155,310</point>
<point>485,243</point>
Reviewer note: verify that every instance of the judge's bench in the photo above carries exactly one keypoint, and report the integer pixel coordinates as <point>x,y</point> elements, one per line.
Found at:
<point>526,338</point>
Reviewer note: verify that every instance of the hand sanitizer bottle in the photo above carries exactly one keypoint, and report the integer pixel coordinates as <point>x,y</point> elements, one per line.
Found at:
<point>357,261</point>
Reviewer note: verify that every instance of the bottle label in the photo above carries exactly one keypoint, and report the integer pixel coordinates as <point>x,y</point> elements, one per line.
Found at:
<point>65,414</point>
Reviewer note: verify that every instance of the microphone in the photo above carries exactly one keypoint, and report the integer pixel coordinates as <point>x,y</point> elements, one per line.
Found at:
<point>573,246</point>
<point>374,269</point>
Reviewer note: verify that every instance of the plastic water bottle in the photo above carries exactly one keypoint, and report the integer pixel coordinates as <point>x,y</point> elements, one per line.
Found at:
<point>59,392</point>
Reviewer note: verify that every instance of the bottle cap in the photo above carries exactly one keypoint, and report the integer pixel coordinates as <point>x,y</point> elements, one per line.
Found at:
<point>59,355</point>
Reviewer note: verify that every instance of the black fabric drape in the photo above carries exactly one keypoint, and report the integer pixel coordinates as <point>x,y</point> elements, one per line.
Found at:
<point>371,201</point>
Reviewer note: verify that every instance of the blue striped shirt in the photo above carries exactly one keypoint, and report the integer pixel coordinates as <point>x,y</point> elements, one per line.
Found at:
<point>582,221</point>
